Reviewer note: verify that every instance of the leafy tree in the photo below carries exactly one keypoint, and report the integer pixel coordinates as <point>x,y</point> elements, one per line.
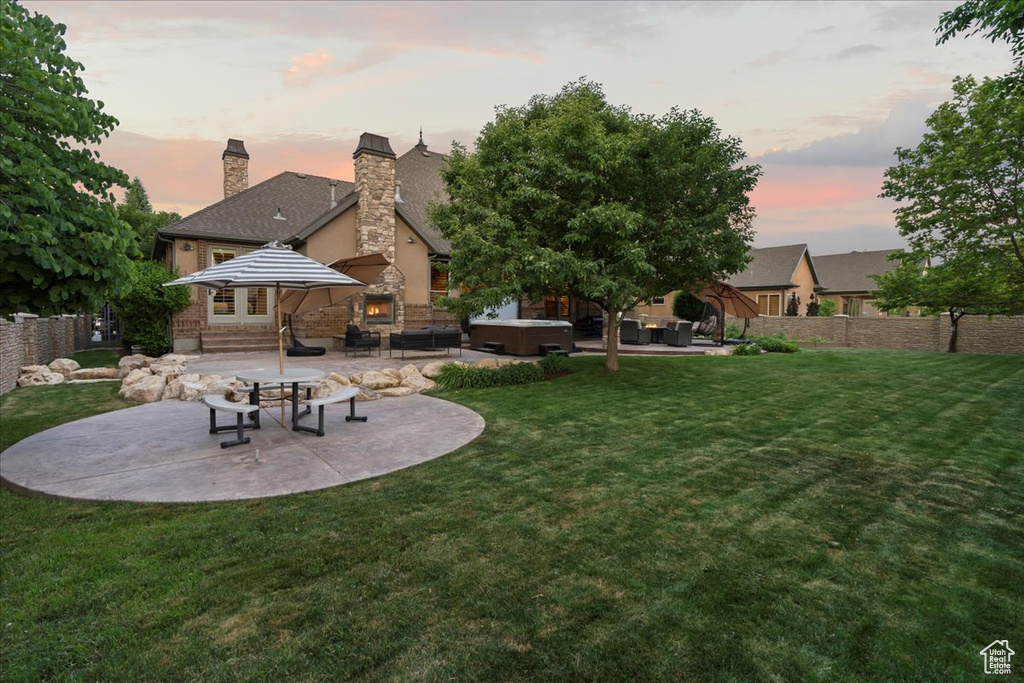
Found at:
<point>828,307</point>
<point>62,246</point>
<point>144,306</point>
<point>1000,19</point>
<point>793,305</point>
<point>813,306</point>
<point>569,194</point>
<point>962,196</point>
<point>138,213</point>
<point>969,282</point>
<point>687,306</point>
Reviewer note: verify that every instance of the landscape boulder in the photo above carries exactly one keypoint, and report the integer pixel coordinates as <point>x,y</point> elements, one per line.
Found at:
<point>133,362</point>
<point>149,389</point>
<point>433,368</point>
<point>396,391</point>
<point>418,383</point>
<point>379,380</point>
<point>34,375</point>
<point>64,366</point>
<point>93,374</point>
<point>339,379</point>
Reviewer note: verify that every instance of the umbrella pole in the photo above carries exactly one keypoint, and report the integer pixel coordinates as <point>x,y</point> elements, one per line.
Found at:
<point>280,345</point>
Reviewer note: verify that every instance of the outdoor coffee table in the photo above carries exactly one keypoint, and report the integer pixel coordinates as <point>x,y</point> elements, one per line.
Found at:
<point>658,334</point>
<point>293,376</point>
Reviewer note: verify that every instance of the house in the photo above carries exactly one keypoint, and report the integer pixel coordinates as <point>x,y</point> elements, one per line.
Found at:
<point>383,210</point>
<point>776,273</point>
<point>846,278</point>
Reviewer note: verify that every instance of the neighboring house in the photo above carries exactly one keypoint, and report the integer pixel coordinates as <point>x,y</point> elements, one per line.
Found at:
<point>384,210</point>
<point>774,274</point>
<point>846,278</point>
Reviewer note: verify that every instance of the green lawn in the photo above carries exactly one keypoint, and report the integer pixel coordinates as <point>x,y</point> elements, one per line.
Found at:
<point>832,515</point>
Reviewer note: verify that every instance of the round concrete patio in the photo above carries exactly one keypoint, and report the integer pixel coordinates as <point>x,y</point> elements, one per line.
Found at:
<point>163,452</point>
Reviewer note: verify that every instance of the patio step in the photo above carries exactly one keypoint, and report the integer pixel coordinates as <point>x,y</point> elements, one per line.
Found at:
<point>238,341</point>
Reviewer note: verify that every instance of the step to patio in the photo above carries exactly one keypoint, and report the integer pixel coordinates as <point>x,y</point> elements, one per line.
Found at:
<point>235,341</point>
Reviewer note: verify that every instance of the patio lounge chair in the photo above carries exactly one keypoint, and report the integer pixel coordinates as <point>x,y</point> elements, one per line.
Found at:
<point>631,332</point>
<point>356,339</point>
<point>679,334</point>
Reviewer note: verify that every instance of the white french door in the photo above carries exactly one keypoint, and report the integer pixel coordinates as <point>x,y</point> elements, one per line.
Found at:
<point>237,306</point>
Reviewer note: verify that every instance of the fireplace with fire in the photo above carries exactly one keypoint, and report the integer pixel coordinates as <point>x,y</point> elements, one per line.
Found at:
<point>379,309</point>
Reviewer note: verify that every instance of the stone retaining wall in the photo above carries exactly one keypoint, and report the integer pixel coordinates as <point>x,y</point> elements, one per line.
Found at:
<point>31,340</point>
<point>977,333</point>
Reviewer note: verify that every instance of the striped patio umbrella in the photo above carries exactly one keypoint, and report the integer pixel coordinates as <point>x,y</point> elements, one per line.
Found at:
<point>274,265</point>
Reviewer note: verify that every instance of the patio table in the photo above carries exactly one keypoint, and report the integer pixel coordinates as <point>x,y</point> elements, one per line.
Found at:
<point>293,376</point>
<point>658,334</point>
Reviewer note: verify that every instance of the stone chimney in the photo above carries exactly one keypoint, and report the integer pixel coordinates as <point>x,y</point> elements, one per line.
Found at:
<point>375,217</point>
<point>236,168</point>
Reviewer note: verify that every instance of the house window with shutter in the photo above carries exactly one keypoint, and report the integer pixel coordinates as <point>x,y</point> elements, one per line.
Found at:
<point>769,304</point>
<point>438,281</point>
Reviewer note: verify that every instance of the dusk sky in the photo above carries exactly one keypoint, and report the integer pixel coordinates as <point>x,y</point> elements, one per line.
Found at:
<point>820,93</point>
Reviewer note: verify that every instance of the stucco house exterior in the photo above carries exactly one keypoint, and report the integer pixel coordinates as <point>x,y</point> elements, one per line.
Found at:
<point>384,210</point>
<point>776,273</point>
<point>846,278</point>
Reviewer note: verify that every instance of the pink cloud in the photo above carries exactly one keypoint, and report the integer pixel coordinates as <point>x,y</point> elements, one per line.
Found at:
<point>306,67</point>
<point>802,186</point>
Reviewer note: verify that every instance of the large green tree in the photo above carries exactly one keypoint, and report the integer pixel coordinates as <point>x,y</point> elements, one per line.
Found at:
<point>569,194</point>
<point>137,212</point>
<point>967,282</point>
<point>998,19</point>
<point>961,190</point>
<point>62,246</point>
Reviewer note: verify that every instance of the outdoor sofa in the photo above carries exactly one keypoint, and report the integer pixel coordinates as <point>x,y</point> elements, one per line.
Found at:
<point>426,338</point>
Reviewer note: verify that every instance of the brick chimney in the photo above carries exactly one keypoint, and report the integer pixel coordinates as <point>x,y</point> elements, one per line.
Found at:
<point>236,168</point>
<point>375,215</point>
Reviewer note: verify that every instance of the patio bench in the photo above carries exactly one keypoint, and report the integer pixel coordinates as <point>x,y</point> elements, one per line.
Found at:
<point>427,338</point>
<point>216,402</point>
<point>349,393</point>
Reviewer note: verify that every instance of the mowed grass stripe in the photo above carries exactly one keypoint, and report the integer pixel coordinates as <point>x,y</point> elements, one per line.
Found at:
<point>685,519</point>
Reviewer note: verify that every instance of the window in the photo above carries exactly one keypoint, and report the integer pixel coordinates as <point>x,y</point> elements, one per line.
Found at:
<point>438,281</point>
<point>853,307</point>
<point>658,301</point>
<point>769,304</point>
<point>556,308</point>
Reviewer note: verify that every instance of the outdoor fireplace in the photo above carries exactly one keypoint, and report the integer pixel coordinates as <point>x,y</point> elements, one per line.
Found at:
<point>379,309</point>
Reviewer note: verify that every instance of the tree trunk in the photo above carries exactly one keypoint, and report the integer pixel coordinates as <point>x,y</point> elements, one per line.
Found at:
<point>954,318</point>
<point>611,363</point>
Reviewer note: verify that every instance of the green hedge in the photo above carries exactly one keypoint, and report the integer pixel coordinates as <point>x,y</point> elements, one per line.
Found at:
<point>774,343</point>
<point>455,376</point>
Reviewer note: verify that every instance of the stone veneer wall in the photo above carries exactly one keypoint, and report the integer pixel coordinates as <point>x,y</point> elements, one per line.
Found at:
<point>977,333</point>
<point>375,232</point>
<point>38,341</point>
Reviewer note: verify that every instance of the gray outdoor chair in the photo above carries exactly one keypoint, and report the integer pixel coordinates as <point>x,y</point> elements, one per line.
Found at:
<point>679,334</point>
<point>631,332</point>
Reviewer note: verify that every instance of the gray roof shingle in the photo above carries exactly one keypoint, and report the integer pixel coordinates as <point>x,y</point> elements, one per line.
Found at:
<point>249,215</point>
<point>771,267</point>
<point>304,201</point>
<point>420,173</point>
<point>850,273</point>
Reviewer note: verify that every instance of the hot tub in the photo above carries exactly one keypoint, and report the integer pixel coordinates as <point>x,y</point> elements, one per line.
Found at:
<point>521,337</point>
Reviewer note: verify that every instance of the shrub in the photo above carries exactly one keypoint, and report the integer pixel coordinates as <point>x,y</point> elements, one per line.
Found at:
<point>793,306</point>
<point>687,306</point>
<point>454,376</point>
<point>552,364</point>
<point>748,349</point>
<point>775,343</point>
<point>145,304</point>
<point>733,331</point>
<point>813,307</point>
<point>827,308</point>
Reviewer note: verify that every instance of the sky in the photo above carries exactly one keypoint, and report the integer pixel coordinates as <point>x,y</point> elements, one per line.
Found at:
<point>820,93</point>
